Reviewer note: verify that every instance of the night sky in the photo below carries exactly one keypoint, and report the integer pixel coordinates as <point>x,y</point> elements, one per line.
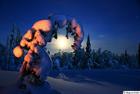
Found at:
<point>112,24</point>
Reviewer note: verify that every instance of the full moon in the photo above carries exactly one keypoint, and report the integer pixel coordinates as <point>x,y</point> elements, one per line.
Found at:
<point>63,43</point>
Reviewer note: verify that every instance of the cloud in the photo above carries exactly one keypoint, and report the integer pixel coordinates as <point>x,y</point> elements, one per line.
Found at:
<point>101,36</point>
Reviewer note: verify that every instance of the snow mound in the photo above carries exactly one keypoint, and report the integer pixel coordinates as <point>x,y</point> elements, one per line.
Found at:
<point>31,89</point>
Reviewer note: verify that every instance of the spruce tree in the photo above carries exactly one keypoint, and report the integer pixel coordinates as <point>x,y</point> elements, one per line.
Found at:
<point>126,56</point>
<point>88,60</point>
<point>88,47</point>
<point>12,41</point>
<point>75,58</point>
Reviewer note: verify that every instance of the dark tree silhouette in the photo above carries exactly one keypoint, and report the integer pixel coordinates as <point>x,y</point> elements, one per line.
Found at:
<point>75,58</point>
<point>88,61</point>
<point>12,40</point>
<point>88,47</point>
<point>126,57</point>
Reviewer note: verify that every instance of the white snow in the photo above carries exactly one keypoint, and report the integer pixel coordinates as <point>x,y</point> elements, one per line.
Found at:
<point>83,82</point>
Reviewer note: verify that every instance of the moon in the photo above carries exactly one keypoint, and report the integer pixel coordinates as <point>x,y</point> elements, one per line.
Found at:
<point>63,43</point>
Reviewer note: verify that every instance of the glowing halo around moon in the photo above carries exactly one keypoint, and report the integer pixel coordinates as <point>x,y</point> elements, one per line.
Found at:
<point>61,43</point>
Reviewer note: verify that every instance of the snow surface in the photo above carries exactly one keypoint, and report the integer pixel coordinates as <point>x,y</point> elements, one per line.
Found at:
<point>80,82</point>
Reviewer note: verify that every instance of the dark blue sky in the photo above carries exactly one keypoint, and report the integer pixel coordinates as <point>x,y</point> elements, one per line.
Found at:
<point>112,24</point>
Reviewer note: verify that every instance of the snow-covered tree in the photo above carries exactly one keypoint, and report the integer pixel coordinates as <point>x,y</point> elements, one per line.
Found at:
<point>79,58</point>
<point>13,40</point>
<point>94,59</point>
<point>2,57</point>
<point>126,57</point>
<point>67,60</point>
<point>88,59</point>
<point>57,60</point>
<point>88,47</point>
<point>76,58</point>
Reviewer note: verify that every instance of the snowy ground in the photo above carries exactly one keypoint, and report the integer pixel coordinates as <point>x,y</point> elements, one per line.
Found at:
<point>84,82</point>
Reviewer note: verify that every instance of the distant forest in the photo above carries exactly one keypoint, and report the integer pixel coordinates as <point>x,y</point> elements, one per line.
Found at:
<point>83,58</point>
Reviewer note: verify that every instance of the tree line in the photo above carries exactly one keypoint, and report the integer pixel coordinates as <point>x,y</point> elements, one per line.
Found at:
<point>82,58</point>
<point>95,59</point>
